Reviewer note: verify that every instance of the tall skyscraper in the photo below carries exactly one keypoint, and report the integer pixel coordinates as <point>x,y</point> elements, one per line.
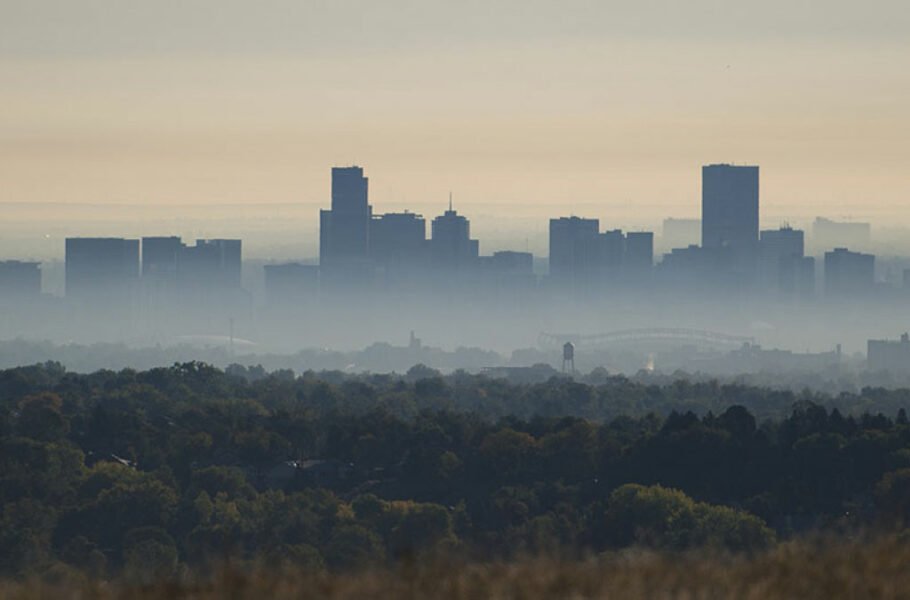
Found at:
<point>729,208</point>
<point>344,230</point>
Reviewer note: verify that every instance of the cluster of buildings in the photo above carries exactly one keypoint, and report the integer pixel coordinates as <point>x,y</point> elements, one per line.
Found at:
<point>360,250</point>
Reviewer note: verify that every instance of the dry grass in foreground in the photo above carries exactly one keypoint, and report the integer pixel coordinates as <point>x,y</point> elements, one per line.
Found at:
<point>876,569</point>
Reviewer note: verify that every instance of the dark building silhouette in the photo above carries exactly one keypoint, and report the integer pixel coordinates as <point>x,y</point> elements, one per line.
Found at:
<point>796,277</point>
<point>344,230</point>
<point>509,272</point>
<point>159,257</point>
<point>729,217</point>
<point>612,248</point>
<point>510,261</point>
<point>696,267</point>
<point>451,246</point>
<point>101,266</point>
<point>848,273</point>
<point>780,260</point>
<point>19,279</point>
<point>888,355</point>
<point>398,240</point>
<point>291,284</point>
<point>583,258</point>
<point>638,254</point>
<point>210,265</point>
<point>574,250</point>
<point>169,264</point>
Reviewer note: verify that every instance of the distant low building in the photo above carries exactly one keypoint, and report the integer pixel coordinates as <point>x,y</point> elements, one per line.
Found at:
<point>831,234</point>
<point>19,279</point>
<point>848,273</point>
<point>889,355</point>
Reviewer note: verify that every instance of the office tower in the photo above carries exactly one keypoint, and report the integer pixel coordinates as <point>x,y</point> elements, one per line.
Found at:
<point>19,279</point>
<point>290,284</point>
<point>848,273</point>
<point>638,255</point>
<point>210,265</point>
<point>397,238</point>
<point>827,234</point>
<point>509,261</point>
<point>101,266</point>
<point>574,250</point>
<point>777,246</point>
<point>796,277</point>
<point>680,233</point>
<point>782,242</point>
<point>612,247</point>
<point>344,232</point>
<point>729,208</point>
<point>450,243</point>
<point>159,257</point>
<point>509,272</point>
<point>695,267</point>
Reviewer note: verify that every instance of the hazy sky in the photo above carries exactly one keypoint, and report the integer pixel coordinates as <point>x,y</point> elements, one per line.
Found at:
<point>594,107</point>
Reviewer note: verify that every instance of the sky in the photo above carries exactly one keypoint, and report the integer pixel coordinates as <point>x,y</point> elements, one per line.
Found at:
<point>523,109</point>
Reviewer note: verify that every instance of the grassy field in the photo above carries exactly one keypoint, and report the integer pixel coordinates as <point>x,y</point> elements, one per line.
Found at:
<point>805,570</point>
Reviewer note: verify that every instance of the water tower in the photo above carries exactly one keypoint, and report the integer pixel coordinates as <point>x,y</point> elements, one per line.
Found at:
<point>568,358</point>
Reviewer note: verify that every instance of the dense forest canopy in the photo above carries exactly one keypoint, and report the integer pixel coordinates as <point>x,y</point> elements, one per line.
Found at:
<point>154,471</point>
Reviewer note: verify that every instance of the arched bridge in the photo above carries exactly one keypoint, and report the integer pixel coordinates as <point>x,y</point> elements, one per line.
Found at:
<point>677,335</point>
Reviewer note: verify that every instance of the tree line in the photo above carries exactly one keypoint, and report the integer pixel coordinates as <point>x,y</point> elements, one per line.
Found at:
<point>155,471</point>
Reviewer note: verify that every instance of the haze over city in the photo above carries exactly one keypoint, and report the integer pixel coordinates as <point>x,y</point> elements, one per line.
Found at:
<point>204,116</point>
<point>445,299</point>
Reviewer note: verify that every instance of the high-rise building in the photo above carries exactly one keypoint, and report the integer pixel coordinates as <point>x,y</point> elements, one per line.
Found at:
<point>638,255</point>
<point>848,273</point>
<point>344,230</point>
<point>451,245</point>
<point>796,277</point>
<point>210,265</point>
<point>397,239</point>
<point>574,250</point>
<point>19,279</point>
<point>509,272</point>
<point>101,266</point>
<point>777,247</point>
<point>729,208</point>
<point>159,257</point>
<point>612,248</point>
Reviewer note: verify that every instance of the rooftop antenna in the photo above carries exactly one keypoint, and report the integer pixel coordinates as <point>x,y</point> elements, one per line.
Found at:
<point>450,200</point>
